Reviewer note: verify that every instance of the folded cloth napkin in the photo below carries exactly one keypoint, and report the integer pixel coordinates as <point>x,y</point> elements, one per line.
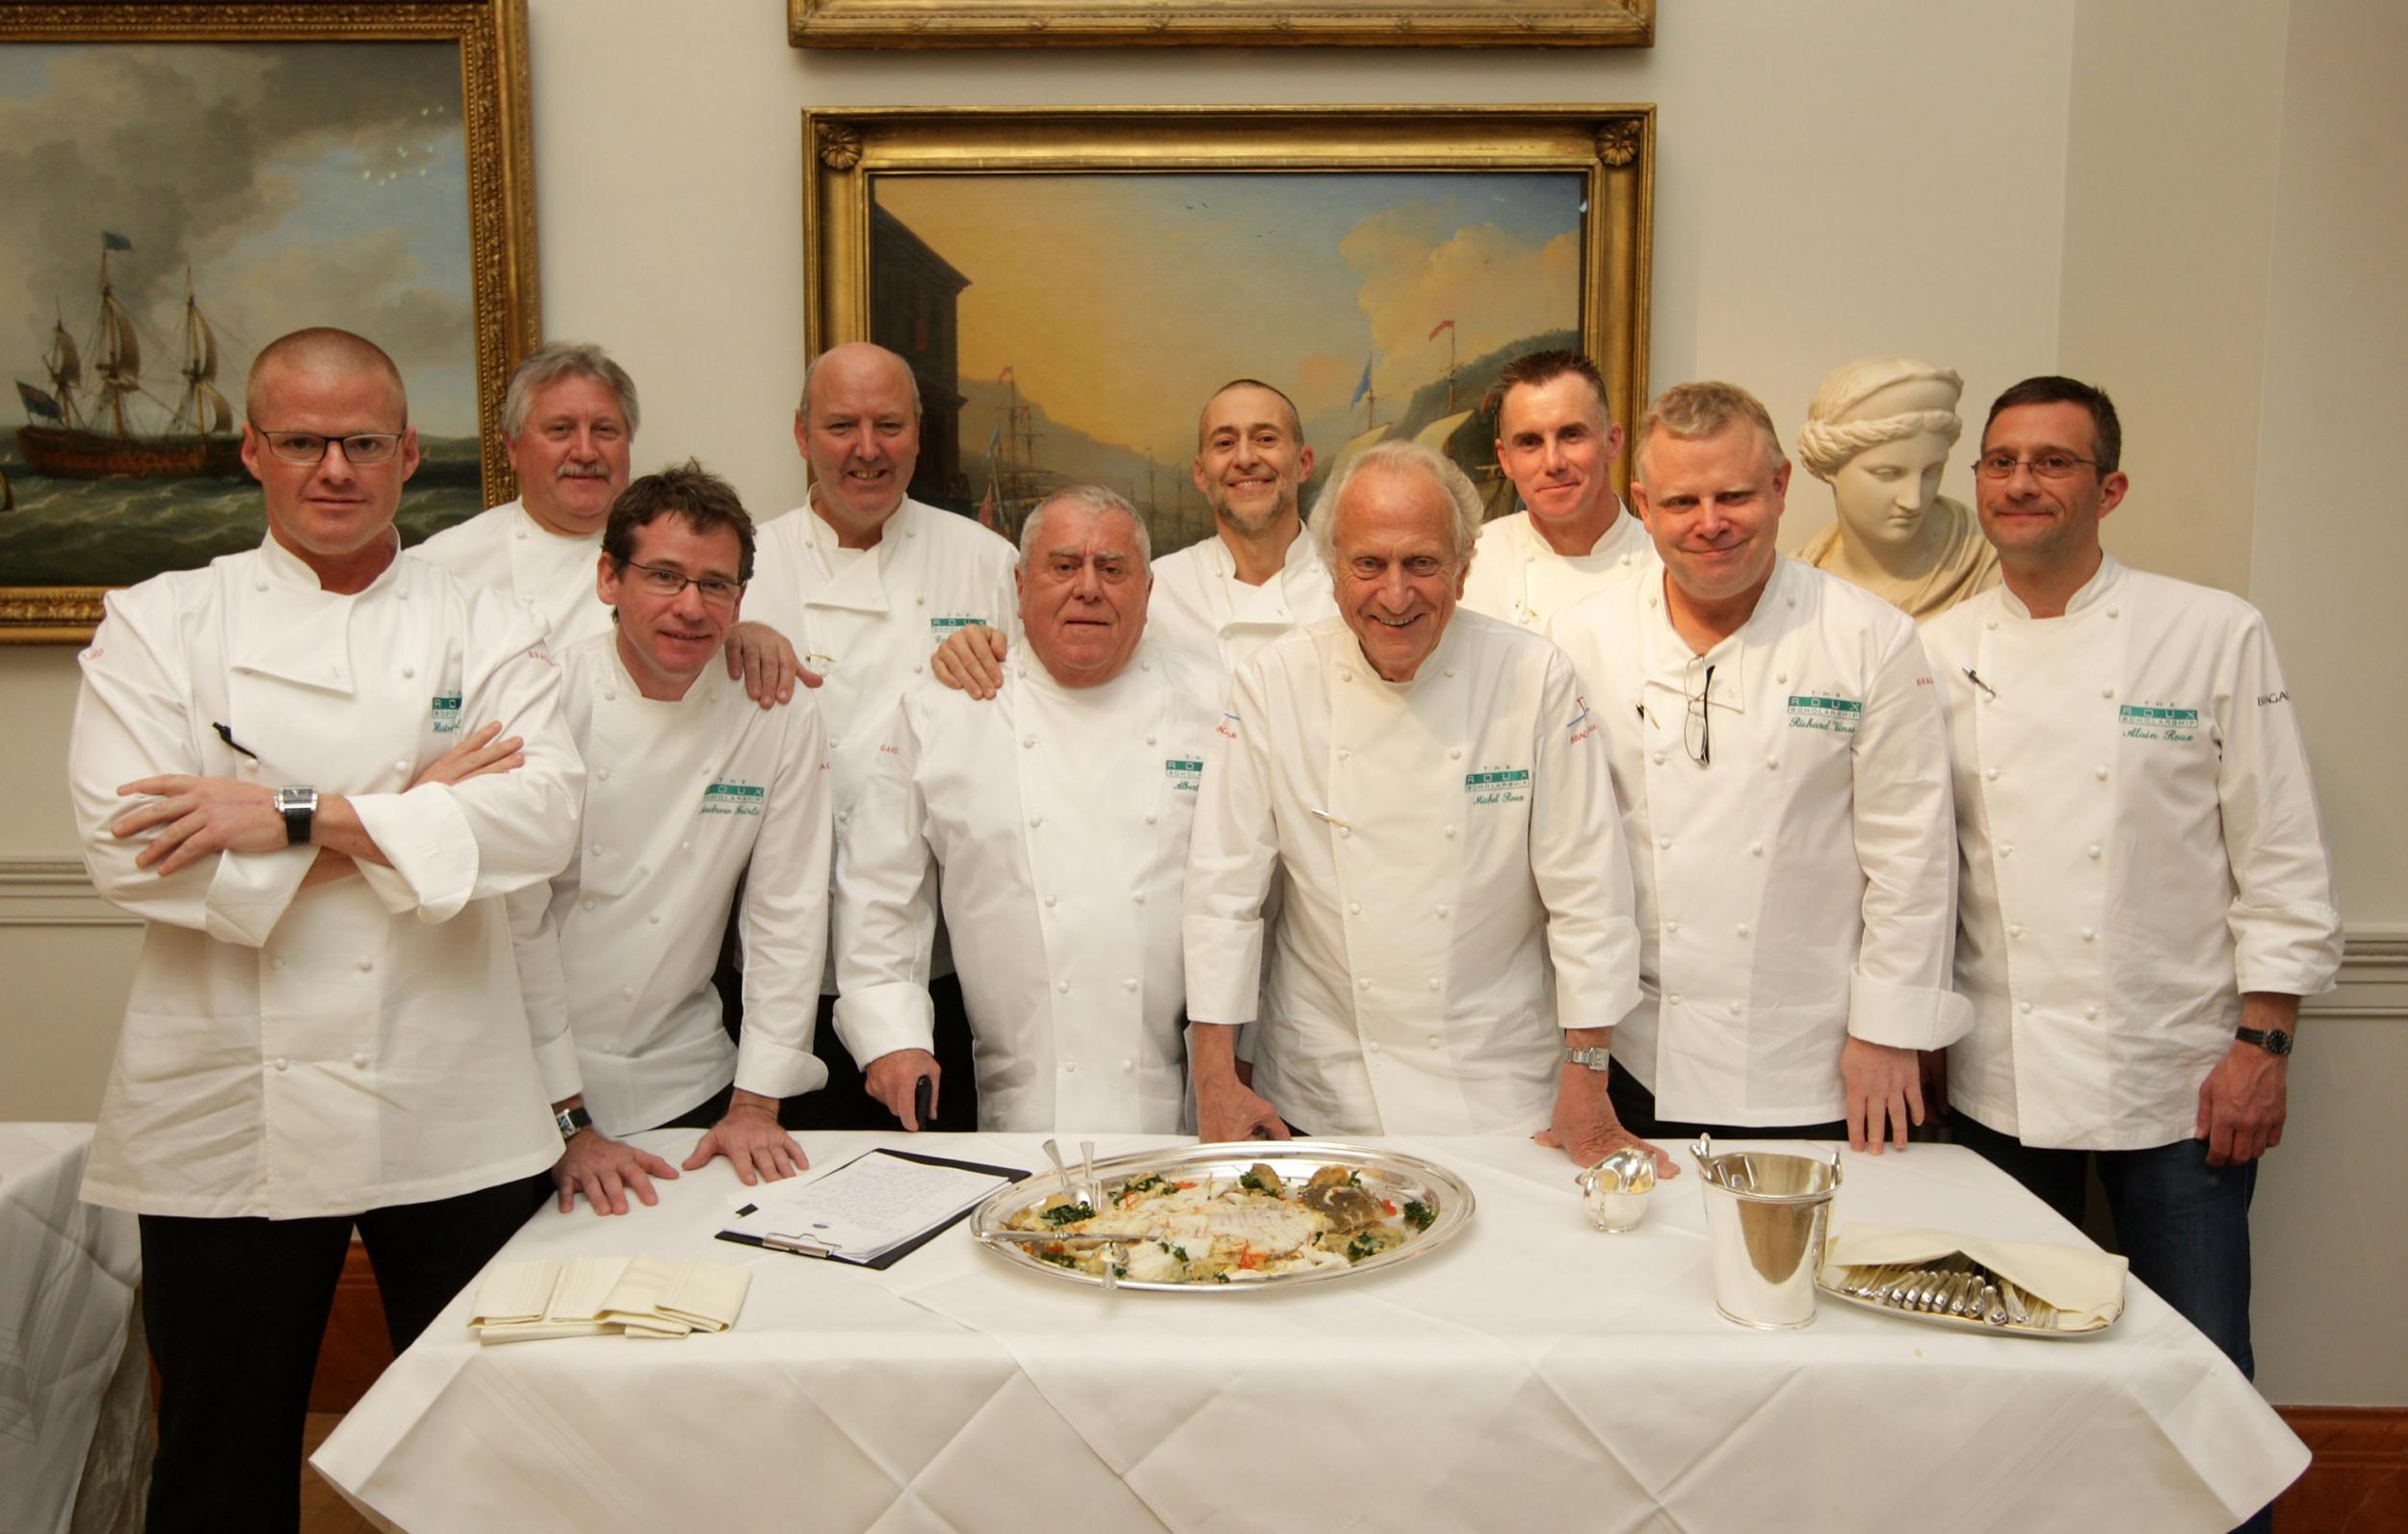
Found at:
<point>602,1297</point>
<point>2081,1282</point>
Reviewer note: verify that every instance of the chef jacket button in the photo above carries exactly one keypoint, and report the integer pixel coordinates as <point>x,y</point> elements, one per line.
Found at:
<point>282,1063</point>
<point>1756,850</point>
<point>1672,926</point>
<point>587,904</point>
<point>1342,676</point>
<point>1035,820</point>
<point>2023,1007</point>
<point>1450,670</point>
<point>1455,753</point>
<point>1128,1065</point>
<point>1773,764</point>
<point>1441,910</point>
<point>1433,1041</point>
<point>597,850</point>
<point>833,742</point>
<point>1354,908</point>
<point>2090,934</point>
<point>1372,1046</point>
<point>685,847</point>
<point>920,602</point>
<point>1071,1066</point>
<point>628,991</point>
<point>1149,820</point>
<point>2100,773</point>
<point>2106,692</point>
<point>843,815</point>
<point>602,774</point>
<point>276,964</point>
<point>1991,624</point>
<point>1026,741</point>
<point>2115,612</point>
<point>1992,773</point>
<point>1651,602</point>
<point>1149,740</point>
<point>400,766</point>
<point>913,532</point>
<point>1659,759</point>
<point>409,671</point>
<point>2090,1012</point>
<point>2015,931</point>
<point>1450,833</point>
<point>654,918</point>
<point>360,1059</point>
<point>1345,755</point>
<point>2093,850</point>
<point>1063,986</point>
<point>1673,1000</point>
<point>1128,982</point>
<point>1049,903</point>
<point>1743,930</point>
<point>259,585</point>
<point>1139,897</point>
<point>1433,985</point>
<point>1145,665</point>
<point>520,533</point>
<point>1665,842</point>
<point>366,966</point>
<point>1781,677</point>
<point>2006,850</point>
<point>917,668</point>
<point>1793,600</point>
<point>608,697</point>
<point>1363,984</point>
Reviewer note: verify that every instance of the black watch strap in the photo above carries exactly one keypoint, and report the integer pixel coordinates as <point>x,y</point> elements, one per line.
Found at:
<point>571,1120</point>
<point>2274,1041</point>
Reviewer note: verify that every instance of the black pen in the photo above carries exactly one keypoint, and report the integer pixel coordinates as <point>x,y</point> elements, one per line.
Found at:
<point>1975,677</point>
<point>920,1096</point>
<point>227,736</point>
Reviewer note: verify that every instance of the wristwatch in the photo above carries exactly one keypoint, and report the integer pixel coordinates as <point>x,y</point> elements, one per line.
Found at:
<point>571,1120</point>
<point>2274,1041</point>
<point>300,807</point>
<point>1596,1058</point>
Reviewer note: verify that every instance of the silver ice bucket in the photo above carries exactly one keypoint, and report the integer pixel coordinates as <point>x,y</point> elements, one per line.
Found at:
<point>1766,1216</point>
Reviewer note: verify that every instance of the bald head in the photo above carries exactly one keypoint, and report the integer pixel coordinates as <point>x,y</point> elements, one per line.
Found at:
<point>857,362</point>
<point>859,430</point>
<point>327,353</point>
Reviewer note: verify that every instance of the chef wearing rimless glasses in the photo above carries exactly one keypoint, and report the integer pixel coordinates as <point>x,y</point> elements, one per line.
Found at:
<point>1780,758</point>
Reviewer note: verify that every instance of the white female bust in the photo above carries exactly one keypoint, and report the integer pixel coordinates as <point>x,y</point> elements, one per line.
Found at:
<point>1878,432</point>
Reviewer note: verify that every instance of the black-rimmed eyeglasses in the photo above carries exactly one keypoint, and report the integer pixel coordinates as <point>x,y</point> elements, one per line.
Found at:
<point>668,583</point>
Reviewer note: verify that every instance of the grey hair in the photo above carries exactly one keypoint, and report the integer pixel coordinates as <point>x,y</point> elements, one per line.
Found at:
<point>1831,437</point>
<point>1094,498</point>
<point>555,360</point>
<point>1399,457</point>
<point>811,371</point>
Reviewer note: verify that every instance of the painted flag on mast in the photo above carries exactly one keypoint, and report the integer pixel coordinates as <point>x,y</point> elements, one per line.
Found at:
<point>1439,329</point>
<point>1363,388</point>
<point>37,403</point>
<point>1006,374</point>
<point>115,241</point>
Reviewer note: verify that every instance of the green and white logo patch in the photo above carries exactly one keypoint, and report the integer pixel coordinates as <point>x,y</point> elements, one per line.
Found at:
<point>1832,715</point>
<point>2149,722</point>
<point>942,629</point>
<point>1498,785</point>
<point>446,712</point>
<point>734,799</point>
<point>1186,773</point>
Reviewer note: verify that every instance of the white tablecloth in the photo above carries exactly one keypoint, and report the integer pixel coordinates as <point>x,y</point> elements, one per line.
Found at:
<point>1533,1374</point>
<point>67,1272</point>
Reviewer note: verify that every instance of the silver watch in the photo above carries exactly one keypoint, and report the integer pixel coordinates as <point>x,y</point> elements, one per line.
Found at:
<point>1596,1057</point>
<point>300,808</point>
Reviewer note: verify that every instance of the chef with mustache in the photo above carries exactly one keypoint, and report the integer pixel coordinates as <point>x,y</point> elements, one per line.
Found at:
<point>1781,762</point>
<point>865,581</point>
<point>1427,789</point>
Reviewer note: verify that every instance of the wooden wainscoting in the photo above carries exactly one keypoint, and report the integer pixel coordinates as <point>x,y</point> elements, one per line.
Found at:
<point>355,1349</point>
<point>2359,1481</point>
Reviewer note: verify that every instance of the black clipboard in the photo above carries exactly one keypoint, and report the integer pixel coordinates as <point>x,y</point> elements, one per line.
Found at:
<point>893,1255</point>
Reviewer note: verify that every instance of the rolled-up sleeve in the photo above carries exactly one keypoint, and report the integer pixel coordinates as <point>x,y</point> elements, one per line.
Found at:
<point>1905,830</point>
<point>1579,860</point>
<point>1232,853</point>
<point>786,919</point>
<point>885,917</point>
<point>2286,927</point>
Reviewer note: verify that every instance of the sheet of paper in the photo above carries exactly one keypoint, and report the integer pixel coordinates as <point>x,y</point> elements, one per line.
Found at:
<point>869,1206</point>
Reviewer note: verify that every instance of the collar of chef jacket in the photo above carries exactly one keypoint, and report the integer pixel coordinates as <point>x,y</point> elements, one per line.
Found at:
<point>1672,665</point>
<point>1270,603</point>
<point>2094,591</point>
<point>858,584</point>
<point>305,637</point>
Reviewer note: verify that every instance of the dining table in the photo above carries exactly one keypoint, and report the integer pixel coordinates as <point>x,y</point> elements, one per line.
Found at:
<point>1531,1373</point>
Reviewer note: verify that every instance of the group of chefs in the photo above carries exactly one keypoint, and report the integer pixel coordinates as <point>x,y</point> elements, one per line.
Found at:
<point>1604,825</point>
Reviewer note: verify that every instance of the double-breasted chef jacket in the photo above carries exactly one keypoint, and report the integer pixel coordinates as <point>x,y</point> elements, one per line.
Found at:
<point>1055,820</point>
<point>360,1043</point>
<point>869,619</point>
<point>681,797</point>
<point>1198,604</point>
<point>506,548</point>
<point>1797,887</point>
<point>1454,889</point>
<point>1518,578</point>
<point>2141,845</point>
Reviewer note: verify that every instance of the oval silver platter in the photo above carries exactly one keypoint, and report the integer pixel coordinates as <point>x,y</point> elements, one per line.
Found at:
<point>1390,1174</point>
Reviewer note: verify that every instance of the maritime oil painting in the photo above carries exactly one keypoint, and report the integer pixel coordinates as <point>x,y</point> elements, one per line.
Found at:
<point>1067,328</point>
<point>172,208</point>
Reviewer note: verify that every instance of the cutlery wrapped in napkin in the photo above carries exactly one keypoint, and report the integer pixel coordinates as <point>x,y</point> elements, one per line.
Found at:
<point>2082,1286</point>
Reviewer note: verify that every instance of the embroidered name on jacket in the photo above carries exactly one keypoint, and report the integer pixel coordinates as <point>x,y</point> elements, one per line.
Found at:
<point>1836,715</point>
<point>1498,786</point>
<point>943,628</point>
<point>1186,773</point>
<point>2146,722</point>
<point>733,799</point>
<point>446,712</point>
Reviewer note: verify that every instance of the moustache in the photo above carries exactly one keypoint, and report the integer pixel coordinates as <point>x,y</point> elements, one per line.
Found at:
<point>584,471</point>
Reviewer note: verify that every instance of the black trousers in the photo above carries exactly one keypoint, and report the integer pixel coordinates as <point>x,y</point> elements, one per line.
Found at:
<point>1636,1107</point>
<point>236,1307</point>
<point>846,1103</point>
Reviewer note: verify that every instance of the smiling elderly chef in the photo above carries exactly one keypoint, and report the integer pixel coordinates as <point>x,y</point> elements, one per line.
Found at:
<point>865,581</point>
<point>1455,941</point>
<point>1055,819</point>
<point>1782,766</point>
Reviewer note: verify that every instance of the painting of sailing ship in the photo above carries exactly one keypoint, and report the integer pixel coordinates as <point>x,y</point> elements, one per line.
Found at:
<point>1067,328</point>
<point>145,261</point>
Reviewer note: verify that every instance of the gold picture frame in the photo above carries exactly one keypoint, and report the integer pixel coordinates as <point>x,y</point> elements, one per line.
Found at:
<point>489,149</point>
<point>904,192</point>
<point>1238,23</point>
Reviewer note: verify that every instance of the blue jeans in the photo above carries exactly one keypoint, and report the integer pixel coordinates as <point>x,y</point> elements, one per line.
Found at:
<point>2184,1224</point>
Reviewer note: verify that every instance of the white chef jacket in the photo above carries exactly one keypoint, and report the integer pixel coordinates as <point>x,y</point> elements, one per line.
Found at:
<point>1455,890</point>
<point>508,550</point>
<point>290,1052</point>
<point>1799,888</point>
<point>870,624</point>
<point>1518,578</point>
<point>1059,817</point>
<point>2141,845</point>
<point>681,797</point>
<point>1200,606</point>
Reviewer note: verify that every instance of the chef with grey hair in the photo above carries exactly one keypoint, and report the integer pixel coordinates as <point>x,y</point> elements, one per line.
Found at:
<point>1427,788</point>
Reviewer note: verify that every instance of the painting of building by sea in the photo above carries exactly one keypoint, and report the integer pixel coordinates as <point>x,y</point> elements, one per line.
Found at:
<point>173,207</point>
<point>1066,328</point>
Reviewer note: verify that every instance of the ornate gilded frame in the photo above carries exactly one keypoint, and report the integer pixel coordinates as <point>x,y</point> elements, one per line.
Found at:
<point>1613,147</point>
<point>491,36</point>
<point>1231,23</point>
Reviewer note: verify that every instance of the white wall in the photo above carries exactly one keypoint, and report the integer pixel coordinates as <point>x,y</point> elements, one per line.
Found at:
<point>2200,201</point>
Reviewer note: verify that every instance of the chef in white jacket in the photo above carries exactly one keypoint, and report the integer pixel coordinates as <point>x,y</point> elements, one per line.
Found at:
<point>2146,889</point>
<point>865,581</point>
<point>1256,578</point>
<point>1781,763</point>
<point>1557,443</point>
<point>1427,789</point>
<point>280,764</point>
<point>690,789</point>
<point>570,421</point>
<point>1054,820</point>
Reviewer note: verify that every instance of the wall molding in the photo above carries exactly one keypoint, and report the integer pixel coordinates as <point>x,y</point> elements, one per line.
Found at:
<point>53,891</point>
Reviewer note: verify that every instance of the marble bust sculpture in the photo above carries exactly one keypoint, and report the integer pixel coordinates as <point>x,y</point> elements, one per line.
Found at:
<point>1878,432</point>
